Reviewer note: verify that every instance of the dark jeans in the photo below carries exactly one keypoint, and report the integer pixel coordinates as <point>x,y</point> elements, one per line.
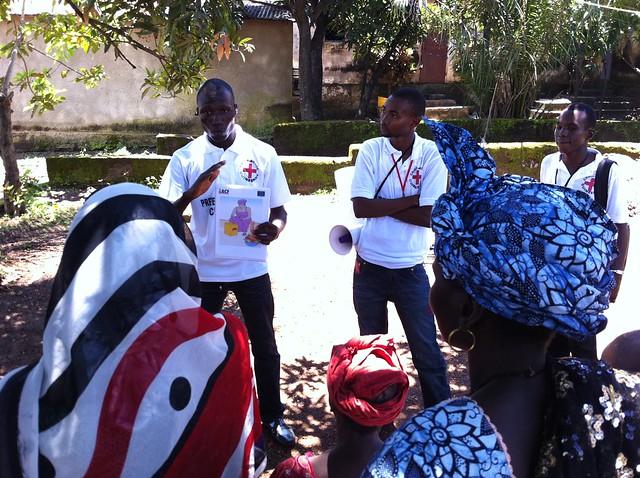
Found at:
<point>256,303</point>
<point>562,346</point>
<point>408,289</point>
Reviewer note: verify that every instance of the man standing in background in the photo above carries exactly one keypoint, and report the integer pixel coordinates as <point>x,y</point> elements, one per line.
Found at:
<point>576,166</point>
<point>397,179</point>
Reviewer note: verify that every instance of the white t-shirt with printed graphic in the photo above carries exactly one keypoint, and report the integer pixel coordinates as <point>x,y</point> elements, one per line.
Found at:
<point>554,171</point>
<point>249,162</point>
<point>387,241</point>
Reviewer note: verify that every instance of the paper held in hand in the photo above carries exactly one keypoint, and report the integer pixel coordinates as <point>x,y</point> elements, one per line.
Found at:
<point>239,210</point>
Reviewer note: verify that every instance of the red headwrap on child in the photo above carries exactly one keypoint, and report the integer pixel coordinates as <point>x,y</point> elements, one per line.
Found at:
<point>359,372</point>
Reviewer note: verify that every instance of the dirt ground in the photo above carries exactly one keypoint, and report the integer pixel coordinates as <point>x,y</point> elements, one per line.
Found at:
<point>312,288</point>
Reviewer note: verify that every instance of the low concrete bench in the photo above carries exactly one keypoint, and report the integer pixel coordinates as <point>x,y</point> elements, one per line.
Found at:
<point>305,174</point>
<point>524,157</point>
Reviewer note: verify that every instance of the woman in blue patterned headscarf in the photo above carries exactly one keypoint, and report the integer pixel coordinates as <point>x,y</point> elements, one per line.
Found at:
<point>516,262</point>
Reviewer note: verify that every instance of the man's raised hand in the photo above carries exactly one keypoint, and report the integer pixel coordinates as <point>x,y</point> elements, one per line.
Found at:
<point>204,181</point>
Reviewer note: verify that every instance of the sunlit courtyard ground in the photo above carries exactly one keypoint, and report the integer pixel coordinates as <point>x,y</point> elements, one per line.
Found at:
<point>314,311</point>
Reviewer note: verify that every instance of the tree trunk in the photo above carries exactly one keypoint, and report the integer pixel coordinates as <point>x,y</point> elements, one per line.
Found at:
<point>363,104</point>
<point>367,91</point>
<point>577,74</point>
<point>306,77</point>
<point>369,83</point>
<point>309,60</point>
<point>8,153</point>
<point>317,68</point>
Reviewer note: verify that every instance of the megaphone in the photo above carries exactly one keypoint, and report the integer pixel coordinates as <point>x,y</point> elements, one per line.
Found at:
<point>343,238</point>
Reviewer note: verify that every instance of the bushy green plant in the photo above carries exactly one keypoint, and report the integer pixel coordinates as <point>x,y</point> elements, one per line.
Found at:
<point>24,196</point>
<point>501,48</point>
<point>383,35</point>
<point>41,210</point>
<point>182,37</point>
<point>153,182</point>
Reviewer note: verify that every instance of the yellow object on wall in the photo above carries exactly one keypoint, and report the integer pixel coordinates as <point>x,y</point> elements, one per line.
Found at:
<point>230,229</point>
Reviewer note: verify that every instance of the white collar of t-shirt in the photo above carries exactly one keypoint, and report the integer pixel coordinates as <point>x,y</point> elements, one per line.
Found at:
<point>564,178</point>
<point>391,151</point>
<point>237,147</point>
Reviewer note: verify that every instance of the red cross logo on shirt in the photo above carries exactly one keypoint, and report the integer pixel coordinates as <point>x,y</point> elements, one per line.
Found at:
<point>416,176</point>
<point>250,173</point>
<point>588,184</point>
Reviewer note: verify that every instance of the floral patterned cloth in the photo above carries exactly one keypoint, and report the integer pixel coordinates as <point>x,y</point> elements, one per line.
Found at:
<point>535,253</point>
<point>452,439</point>
<point>591,430</point>
<point>592,424</point>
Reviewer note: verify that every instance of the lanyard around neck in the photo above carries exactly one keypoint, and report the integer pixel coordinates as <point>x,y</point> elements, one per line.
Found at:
<point>580,166</point>
<point>403,184</point>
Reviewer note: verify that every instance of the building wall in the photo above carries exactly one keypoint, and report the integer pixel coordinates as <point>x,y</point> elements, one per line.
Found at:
<point>262,84</point>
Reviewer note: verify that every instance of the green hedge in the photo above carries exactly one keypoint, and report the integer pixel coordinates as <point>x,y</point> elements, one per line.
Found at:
<point>332,138</point>
<point>310,175</point>
<point>69,141</point>
<point>93,170</point>
<point>524,157</point>
<point>304,175</point>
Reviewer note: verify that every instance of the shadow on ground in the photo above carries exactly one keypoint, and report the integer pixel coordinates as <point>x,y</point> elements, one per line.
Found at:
<point>308,412</point>
<point>307,409</point>
<point>21,323</point>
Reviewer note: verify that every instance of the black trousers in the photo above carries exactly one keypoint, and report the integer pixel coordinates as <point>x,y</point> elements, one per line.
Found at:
<point>256,303</point>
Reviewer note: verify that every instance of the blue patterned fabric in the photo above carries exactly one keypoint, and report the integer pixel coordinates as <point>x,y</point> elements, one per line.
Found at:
<point>535,253</point>
<point>452,439</point>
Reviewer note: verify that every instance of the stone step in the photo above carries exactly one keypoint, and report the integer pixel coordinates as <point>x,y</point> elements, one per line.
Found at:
<point>553,101</point>
<point>436,96</point>
<point>556,104</point>
<point>437,103</point>
<point>591,91</point>
<point>447,112</point>
<point>584,98</point>
<point>543,114</point>
<point>604,114</point>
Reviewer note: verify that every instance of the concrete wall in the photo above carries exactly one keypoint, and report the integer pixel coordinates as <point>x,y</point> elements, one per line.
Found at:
<point>337,64</point>
<point>262,84</point>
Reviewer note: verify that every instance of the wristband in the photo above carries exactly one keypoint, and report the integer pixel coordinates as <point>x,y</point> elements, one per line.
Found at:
<point>617,271</point>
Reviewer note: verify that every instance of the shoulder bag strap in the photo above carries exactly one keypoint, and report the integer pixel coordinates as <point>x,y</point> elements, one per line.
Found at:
<point>601,187</point>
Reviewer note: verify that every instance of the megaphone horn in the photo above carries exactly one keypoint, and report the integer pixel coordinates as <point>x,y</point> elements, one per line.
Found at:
<point>342,238</point>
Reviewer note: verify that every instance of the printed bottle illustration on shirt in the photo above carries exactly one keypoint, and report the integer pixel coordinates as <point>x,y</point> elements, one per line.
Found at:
<point>240,223</point>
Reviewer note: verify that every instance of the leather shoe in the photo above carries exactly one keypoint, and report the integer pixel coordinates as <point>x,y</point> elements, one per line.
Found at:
<point>280,432</point>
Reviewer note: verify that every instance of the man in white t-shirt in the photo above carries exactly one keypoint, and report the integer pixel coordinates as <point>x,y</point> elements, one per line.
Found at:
<point>574,166</point>
<point>397,179</point>
<point>226,155</point>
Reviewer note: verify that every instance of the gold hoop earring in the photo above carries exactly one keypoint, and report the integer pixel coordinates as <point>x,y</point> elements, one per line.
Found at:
<point>462,349</point>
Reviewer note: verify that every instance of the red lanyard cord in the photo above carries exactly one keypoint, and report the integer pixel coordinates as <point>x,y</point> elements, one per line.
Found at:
<point>403,185</point>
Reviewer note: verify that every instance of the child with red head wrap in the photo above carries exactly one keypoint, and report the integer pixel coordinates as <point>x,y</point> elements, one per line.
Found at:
<point>366,381</point>
<point>367,389</point>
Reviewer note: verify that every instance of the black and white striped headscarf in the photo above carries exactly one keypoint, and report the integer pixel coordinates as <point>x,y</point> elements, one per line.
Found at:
<point>135,378</point>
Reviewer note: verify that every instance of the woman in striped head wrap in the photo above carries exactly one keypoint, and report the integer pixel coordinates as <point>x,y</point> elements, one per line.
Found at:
<point>135,378</point>
<point>516,262</point>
